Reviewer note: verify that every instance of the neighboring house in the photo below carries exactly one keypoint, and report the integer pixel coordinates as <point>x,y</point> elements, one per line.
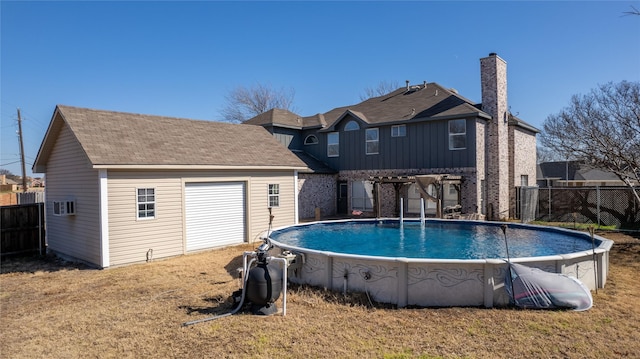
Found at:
<point>479,152</point>
<point>574,174</point>
<point>125,188</point>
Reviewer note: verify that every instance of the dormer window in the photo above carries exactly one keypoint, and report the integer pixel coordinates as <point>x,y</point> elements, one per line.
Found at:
<point>311,140</point>
<point>351,126</point>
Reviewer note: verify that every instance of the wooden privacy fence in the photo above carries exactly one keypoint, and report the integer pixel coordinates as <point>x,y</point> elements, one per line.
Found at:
<point>22,229</point>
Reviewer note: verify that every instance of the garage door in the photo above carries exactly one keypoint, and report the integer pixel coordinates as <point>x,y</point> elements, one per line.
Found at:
<point>215,214</point>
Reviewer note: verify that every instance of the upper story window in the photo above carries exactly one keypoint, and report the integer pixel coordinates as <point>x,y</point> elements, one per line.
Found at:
<point>146,202</point>
<point>274,195</point>
<point>351,126</point>
<point>311,140</point>
<point>457,134</point>
<point>333,144</point>
<point>372,141</point>
<point>398,131</point>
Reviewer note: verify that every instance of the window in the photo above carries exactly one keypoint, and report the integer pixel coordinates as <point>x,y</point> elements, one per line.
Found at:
<point>398,131</point>
<point>351,126</point>
<point>372,141</point>
<point>146,203</point>
<point>64,208</point>
<point>311,140</point>
<point>362,196</point>
<point>274,195</point>
<point>333,144</point>
<point>457,134</point>
<point>524,180</point>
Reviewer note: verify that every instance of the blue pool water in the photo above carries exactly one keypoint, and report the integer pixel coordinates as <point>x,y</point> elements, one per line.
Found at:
<point>433,240</point>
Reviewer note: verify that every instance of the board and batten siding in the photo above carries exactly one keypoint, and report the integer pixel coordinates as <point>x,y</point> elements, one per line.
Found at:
<point>69,176</point>
<point>131,238</point>
<point>426,145</point>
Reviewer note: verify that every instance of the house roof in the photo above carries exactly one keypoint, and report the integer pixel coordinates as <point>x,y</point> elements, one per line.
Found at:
<point>126,140</point>
<point>428,101</point>
<point>573,171</point>
<point>313,164</point>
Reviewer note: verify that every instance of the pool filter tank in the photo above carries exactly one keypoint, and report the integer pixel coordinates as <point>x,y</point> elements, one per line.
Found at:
<point>264,285</point>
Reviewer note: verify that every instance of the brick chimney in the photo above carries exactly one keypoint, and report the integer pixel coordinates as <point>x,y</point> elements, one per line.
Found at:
<point>493,77</point>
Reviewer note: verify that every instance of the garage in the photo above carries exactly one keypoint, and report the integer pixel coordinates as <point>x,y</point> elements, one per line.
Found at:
<point>215,214</point>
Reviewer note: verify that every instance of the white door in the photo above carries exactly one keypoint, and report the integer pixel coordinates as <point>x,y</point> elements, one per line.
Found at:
<point>215,214</point>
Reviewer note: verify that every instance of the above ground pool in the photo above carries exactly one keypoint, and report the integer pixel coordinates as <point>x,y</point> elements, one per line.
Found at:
<point>435,262</point>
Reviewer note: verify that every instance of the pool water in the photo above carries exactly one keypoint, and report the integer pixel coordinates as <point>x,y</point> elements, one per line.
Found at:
<point>432,240</point>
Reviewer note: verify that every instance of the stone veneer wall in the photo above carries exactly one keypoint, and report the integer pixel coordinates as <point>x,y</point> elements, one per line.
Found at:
<point>522,150</point>
<point>469,187</point>
<point>316,191</point>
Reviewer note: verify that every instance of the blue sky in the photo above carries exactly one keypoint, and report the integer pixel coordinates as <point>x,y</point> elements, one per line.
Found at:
<point>181,58</point>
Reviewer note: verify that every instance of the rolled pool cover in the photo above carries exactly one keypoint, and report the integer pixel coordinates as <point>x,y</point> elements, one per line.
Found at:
<point>534,288</point>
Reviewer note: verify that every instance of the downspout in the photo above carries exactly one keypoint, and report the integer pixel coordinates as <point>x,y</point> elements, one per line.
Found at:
<point>104,218</point>
<point>295,197</point>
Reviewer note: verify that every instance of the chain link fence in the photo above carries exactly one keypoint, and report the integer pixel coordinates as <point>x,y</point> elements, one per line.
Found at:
<point>604,206</point>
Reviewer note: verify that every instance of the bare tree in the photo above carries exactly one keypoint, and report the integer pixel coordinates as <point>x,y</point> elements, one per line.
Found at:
<point>544,154</point>
<point>244,103</point>
<point>634,11</point>
<point>382,88</point>
<point>601,129</point>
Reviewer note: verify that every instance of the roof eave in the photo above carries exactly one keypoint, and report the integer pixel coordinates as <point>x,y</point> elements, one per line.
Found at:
<point>194,167</point>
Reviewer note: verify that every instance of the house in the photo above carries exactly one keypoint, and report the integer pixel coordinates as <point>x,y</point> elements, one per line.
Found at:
<point>477,153</point>
<point>574,174</point>
<point>125,188</point>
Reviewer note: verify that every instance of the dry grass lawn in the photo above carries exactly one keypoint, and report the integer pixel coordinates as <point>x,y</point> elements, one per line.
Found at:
<point>51,309</point>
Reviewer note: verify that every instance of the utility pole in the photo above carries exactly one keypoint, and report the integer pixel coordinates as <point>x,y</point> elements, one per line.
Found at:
<point>24,172</point>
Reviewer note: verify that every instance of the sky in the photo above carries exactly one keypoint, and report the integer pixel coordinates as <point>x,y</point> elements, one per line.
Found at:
<point>180,59</point>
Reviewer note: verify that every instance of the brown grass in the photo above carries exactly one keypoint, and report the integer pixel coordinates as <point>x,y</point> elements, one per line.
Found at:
<point>52,309</point>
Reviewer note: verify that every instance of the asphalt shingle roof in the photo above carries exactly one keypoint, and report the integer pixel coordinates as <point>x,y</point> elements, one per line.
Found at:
<point>116,138</point>
<point>419,103</point>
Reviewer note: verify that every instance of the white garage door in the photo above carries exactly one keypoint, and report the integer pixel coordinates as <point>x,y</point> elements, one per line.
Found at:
<point>215,214</point>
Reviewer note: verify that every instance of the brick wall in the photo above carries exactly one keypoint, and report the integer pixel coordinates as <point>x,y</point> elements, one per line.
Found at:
<point>522,149</point>
<point>493,74</point>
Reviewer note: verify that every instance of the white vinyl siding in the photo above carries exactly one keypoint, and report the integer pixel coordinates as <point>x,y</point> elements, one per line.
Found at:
<point>131,239</point>
<point>69,175</point>
<point>214,214</point>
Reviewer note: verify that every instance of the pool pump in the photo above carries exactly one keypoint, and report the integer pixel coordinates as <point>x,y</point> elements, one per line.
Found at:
<point>264,283</point>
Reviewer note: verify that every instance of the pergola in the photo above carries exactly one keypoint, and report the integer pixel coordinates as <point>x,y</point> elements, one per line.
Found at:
<point>423,182</point>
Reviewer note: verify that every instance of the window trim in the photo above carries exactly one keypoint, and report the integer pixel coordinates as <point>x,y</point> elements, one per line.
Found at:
<point>64,208</point>
<point>454,134</point>
<point>349,126</point>
<point>273,195</point>
<point>367,141</point>
<point>332,145</point>
<point>399,133</point>
<point>311,140</point>
<point>146,203</point>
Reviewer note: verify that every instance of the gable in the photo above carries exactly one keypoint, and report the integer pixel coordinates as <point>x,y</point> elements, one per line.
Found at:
<point>126,140</point>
